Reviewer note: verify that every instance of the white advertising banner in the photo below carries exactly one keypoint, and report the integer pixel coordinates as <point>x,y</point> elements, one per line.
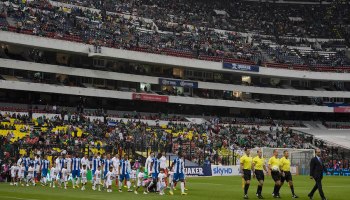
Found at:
<point>220,170</point>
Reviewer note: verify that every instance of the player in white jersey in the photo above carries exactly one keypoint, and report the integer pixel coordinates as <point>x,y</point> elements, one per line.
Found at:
<point>53,175</point>
<point>179,174</point>
<point>141,177</point>
<point>14,169</point>
<point>30,176</point>
<point>115,163</point>
<point>37,168</point>
<point>21,171</point>
<point>83,174</point>
<point>163,166</point>
<point>68,161</point>
<point>133,177</point>
<point>108,179</point>
<point>85,161</point>
<point>97,179</point>
<point>64,176</point>
<point>161,181</point>
<point>57,161</point>
<point>148,162</point>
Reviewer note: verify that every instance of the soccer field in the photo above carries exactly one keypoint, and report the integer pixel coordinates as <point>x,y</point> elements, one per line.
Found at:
<point>337,188</point>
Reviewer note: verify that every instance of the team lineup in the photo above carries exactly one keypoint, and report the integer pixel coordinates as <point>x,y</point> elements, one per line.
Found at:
<point>155,176</point>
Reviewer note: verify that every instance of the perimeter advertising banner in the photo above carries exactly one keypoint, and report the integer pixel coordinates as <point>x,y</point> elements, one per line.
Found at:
<point>198,171</point>
<point>178,83</point>
<point>241,67</point>
<point>342,109</point>
<point>150,97</point>
<point>220,170</point>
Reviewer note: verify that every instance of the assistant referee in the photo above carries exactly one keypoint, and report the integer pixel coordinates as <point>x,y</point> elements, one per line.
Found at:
<point>258,172</point>
<point>286,175</point>
<point>274,166</point>
<point>246,170</point>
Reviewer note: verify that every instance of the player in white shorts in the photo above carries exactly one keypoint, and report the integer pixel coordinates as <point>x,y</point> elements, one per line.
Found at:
<point>68,161</point>
<point>108,179</point>
<point>30,176</point>
<point>83,174</point>
<point>115,163</point>
<point>21,170</point>
<point>64,177</point>
<point>97,179</point>
<point>53,176</point>
<point>161,181</point>
<point>14,169</point>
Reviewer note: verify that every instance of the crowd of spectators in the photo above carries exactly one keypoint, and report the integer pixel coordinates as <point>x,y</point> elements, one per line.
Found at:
<point>212,141</point>
<point>185,28</point>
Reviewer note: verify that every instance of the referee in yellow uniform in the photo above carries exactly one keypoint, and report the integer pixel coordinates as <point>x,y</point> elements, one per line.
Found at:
<point>258,172</point>
<point>246,170</point>
<point>274,166</point>
<point>286,175</point>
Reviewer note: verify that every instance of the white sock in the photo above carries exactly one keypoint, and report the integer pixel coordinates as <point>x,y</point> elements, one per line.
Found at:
<point>120,185</point>
<point>158,186</point>
<point>73,182</point>
<point>182,187</point>
<point>128,184</point>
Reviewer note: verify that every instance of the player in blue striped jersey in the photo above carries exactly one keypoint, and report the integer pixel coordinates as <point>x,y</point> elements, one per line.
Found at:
<point>155,169</point>
<point>45,165</point>
<point>178,166</point>
<point>25,160</point>
<point>107,163</point>
<point>34,163</point>
<point>95,163</point>
<point>124,169</point>
<point>76,163</point>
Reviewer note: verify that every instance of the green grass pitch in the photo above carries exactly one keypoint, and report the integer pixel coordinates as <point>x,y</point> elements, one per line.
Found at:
<point>201,188</point>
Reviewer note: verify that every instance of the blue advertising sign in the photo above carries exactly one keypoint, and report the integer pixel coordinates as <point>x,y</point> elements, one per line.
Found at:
<point>178,83</point>
<point>241,67</point>
<point>198,171</point>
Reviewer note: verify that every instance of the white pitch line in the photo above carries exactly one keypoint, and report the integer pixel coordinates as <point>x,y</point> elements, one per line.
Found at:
<point>18,198</point>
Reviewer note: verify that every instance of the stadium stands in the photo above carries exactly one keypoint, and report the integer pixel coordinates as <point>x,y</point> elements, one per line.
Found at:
<point>194,39</point>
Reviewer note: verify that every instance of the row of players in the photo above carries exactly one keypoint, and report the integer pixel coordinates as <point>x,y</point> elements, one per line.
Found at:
<point>107,169</point>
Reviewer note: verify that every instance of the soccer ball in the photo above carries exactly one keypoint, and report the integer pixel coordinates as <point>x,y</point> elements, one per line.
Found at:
<point>275,168</point>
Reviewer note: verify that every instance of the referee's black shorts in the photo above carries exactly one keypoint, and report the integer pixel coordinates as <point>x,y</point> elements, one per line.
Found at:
<point>259,174</point>
<point>287,177</point>
<point>276,175</point>
<point>247,174</point>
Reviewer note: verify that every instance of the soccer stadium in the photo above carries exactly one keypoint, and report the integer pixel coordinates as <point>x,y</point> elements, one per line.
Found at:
<point>175,99</point>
